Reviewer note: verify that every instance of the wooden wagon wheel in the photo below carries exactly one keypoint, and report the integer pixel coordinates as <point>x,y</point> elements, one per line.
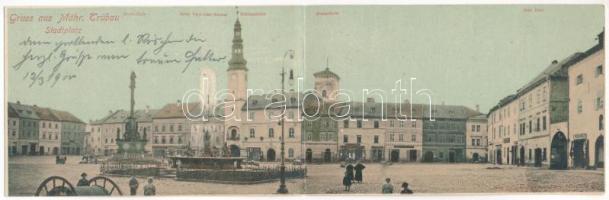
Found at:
<point>106,183</point>
<point>59,187</point>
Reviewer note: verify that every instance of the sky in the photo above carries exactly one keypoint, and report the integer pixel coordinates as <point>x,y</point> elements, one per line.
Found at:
<point>465,55</point>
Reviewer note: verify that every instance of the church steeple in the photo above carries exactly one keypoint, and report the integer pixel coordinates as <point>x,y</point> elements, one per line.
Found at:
<point>237,72</point>
<point>237,62</point>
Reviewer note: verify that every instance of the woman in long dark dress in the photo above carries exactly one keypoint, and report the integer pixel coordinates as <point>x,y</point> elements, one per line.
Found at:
<point>347,181</point>
<point>359,167</point>
<point>349,171</point>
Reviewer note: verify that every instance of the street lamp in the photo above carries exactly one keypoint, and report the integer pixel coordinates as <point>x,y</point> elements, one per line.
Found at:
<point>282,187</point>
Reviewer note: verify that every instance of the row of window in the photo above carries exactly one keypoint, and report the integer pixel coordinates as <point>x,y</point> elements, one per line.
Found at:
<point>538,126</point>
<point>291,133</point>
<point>170,128</point>
<point>375,139</point>
<point>413,137</point>
<point>599,102</point>
<point>376,123</point>
<point>44,125</point>
<point>325,123</point>
<point>165,141</point>
<point>597,72</point>
<point>444,138</point>
<point>324,136</point>
<point>252,115</point>
<point>540,97</point>
<point>44,136</point>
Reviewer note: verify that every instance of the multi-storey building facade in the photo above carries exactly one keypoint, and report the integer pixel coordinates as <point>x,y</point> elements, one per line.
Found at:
<point>362,136</point>
<point>171,129</point>
<point>444,134</point>
<point>586,108</point>
<point>12,130</point>
<point>554,126</point>
<point>26,140</point>
<point>104,132</point>
<point>262,123</point>
<point>35,130</point>
<point>476,140</point>
<point>72,132</point>
<point>49,131</point>
<point>543,117</point>
<point>403,133</point>
<point>320,132</point>
<point>503,132</point>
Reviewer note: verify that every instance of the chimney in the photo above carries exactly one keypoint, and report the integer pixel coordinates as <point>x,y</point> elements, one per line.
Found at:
<point>147,108</point>
<point>370,100</point>
<point>18,102</point>
<point>555,62</point>
<point>109,112</point>
<point>35,106</point>
<point>406,101</point>
<point>477,108</point>
<point>179,102</point>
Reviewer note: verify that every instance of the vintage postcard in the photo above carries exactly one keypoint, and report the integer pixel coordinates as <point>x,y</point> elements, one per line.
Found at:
<point>304,99</point>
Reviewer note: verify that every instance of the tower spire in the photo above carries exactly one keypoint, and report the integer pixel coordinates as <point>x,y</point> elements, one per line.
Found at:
<point>237,10</point>
<point>237,61</point>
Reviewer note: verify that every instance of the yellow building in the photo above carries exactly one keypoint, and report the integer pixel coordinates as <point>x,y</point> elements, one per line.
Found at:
<point>586,108</point>
<point>503,134</point>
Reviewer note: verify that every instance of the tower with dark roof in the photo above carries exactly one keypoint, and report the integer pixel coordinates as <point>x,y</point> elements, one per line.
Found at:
<point>237,70</point>
<point>327,84</point>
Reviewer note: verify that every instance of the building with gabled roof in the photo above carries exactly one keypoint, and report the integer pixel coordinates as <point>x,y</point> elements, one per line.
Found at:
<point>104,131</point>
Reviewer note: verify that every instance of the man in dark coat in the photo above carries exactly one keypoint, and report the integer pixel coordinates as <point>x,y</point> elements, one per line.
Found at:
<point>359,167</point>
<point>347,181</point>
<point>83,180</point>
<point>349,171</point>
<point>133,184</point>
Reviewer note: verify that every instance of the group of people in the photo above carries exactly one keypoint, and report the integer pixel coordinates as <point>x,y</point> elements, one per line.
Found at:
<point>388,187</point>
<point>351,177</point>
<point>149,189</point>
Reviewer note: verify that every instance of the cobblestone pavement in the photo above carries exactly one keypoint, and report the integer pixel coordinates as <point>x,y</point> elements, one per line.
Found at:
<point>456,178</point>
<point>26,173</point>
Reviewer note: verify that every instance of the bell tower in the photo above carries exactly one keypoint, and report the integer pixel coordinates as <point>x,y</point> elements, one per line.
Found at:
<point>327,84</point>
<point>237,70</point>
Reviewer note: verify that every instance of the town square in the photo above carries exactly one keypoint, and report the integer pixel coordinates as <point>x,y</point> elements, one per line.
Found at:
<point>496,109</point>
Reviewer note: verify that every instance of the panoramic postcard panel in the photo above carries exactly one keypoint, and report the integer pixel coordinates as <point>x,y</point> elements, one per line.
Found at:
<point>240,100</point>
